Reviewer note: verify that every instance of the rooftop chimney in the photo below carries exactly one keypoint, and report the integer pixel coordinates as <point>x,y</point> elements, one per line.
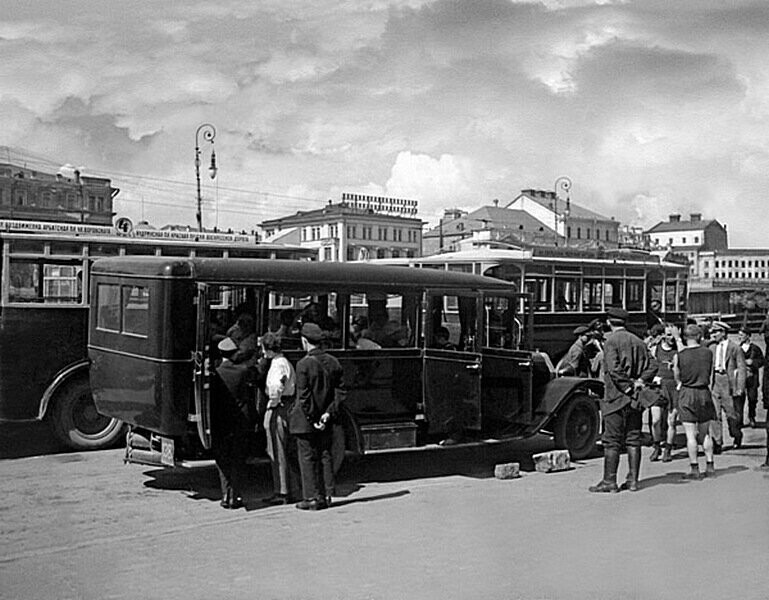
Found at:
<point>496,202</point>
<point>675,218</point>
<point>696,217</point>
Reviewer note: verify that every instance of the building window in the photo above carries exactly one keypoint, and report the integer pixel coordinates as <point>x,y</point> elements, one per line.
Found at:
<point>332,231</point>
<point>696,240</point>
<point>568,231</point>
<point>328,253</point>
<point>587,233</point>
<point>350,253</point>
<point>579,233</point>
<point>380,253</point>
<point>304,234</point>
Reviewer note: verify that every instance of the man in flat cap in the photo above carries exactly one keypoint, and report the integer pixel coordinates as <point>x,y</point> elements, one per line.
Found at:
<point>233,414</point>
<point>575,362</point>
<point>729,373</point>
<point>320,390</point>
<point>627,369</point>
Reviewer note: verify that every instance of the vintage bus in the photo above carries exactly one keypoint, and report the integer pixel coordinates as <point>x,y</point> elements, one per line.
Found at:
<point>151,347</point>
<point>571,287</point>
<point>44,315</point>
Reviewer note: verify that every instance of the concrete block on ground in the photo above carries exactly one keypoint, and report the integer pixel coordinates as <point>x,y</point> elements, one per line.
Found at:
<point>555,460</point>
<point>507,471</point>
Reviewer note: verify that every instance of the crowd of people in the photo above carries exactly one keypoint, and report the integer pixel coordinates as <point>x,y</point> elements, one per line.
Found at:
<point>697,377</point>
<point>297,413</point>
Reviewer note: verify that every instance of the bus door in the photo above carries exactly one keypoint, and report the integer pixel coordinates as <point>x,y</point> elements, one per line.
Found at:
<point>452,364</point>
<point>507,370</point>
<point>202,366</point>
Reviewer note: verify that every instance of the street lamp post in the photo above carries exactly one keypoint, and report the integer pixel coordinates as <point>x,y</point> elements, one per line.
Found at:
<point>209,133</point>
<point>564,184</point>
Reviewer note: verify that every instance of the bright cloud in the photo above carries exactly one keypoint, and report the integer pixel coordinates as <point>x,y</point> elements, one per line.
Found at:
<point>649,106</point>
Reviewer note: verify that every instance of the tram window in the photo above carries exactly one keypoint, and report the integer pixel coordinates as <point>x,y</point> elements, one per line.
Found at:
<point>501,327</point>
<point>379,320</point>
<point>671,300</point>
<point>592,291</point>
<point>139,249</point>
<point>135,310</point>
<point>567,294</point>
<point>461,268</point>
<point>612,293</point>
<point>104,250</point>
<point>27,247</point>
<point>66,249</point>
<point>47,282</point>
<point>539,288</point>
<point>174,251</point>
<point>505,272</point>
<point>635,295</point>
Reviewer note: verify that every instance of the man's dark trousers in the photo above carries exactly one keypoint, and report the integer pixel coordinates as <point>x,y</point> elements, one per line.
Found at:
<point>316,463</point>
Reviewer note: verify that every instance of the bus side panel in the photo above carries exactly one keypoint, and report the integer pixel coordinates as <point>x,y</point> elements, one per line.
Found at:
<point>29,359</point>
<point>382,386</point>
<point>136,390</point>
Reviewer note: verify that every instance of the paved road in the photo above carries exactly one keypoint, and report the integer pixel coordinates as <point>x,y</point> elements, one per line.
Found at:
<point>417,525</point>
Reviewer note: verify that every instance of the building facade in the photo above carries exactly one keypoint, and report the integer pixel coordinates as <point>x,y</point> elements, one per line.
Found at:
<point>30,194</point>
<point>690,238</point>
<point>357,228</point>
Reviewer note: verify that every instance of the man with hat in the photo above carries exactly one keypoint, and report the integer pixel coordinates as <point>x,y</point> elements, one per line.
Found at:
<point>754,360</point>
<point>729,374</point>
<point>627,369</point>
<point>575,362</point>
<point>233,414</point>
<point>320,390</point>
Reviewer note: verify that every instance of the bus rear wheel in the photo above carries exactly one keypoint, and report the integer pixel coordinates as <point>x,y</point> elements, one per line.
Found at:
<point>77,424</point>
<point>577,425</point>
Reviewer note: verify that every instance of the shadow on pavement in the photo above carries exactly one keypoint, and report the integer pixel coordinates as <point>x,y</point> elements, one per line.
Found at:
<point>676,477</point>
<point>19,440</point>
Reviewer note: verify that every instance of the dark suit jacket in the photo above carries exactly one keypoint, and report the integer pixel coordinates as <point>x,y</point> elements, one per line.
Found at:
<point>233,405</point>
<point>625,359</point>
<point>735,366</point>
<point>320,388</point>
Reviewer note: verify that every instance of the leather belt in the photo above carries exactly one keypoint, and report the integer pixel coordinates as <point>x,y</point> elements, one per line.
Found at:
<point>720,372</point>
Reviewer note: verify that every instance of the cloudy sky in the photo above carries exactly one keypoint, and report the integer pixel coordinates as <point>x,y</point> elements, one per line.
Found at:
<point>648,106</point>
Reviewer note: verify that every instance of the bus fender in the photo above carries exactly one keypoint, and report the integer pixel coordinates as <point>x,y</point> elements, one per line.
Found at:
<point>347,438</point>
<point>61,378</point>
<point>556,392</point>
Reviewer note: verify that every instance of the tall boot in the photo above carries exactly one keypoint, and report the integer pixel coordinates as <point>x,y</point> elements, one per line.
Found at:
<point>634,467</point>
<point>655,455</point>
<point>610,465</point>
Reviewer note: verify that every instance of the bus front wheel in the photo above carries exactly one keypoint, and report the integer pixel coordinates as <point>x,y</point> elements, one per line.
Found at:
<point>577,425</point>
<point>76,422</point>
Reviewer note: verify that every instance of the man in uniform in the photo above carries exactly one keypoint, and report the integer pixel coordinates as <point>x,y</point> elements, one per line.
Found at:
<point>319,392</point>
<point>575,362</point>
<point>627,369</point>
<point>729,373</point>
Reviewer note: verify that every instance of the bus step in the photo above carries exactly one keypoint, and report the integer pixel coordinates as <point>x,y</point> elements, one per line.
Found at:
<point>389,435</point>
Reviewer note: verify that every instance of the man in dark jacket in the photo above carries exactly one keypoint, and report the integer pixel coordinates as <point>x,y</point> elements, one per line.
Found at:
<point>754,360</point>
<point>233,414</point>
<point>319,392</point>
<point>627,369</point>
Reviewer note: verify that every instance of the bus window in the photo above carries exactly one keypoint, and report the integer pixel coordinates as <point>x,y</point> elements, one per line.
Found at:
<point>27,247</point>
<point>502,328</point>
<point>135,318</point>
<point>634,298</point>
<point>383,321</point>
<point>108,307</point>
<point>567,294</point>
<point>458,315</point>
<point>539,288</point>
<point>97,250</point>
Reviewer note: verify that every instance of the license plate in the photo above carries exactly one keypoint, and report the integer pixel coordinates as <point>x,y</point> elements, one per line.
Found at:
<point>167,452</point>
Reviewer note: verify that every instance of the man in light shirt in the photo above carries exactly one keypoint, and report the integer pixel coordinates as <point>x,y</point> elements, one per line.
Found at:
<point>280,386</point>
<point>729,373</point>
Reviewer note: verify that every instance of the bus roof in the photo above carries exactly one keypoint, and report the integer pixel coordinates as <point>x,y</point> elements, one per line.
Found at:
<point>290,271</point>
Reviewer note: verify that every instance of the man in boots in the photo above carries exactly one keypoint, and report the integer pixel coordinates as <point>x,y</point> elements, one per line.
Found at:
<point>627,369</point>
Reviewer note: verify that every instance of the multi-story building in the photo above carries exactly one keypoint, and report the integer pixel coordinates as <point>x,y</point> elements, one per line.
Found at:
<point>533,218</point>
<point>31,194</point>
<point>690,238</point>
<point>357,228</point>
